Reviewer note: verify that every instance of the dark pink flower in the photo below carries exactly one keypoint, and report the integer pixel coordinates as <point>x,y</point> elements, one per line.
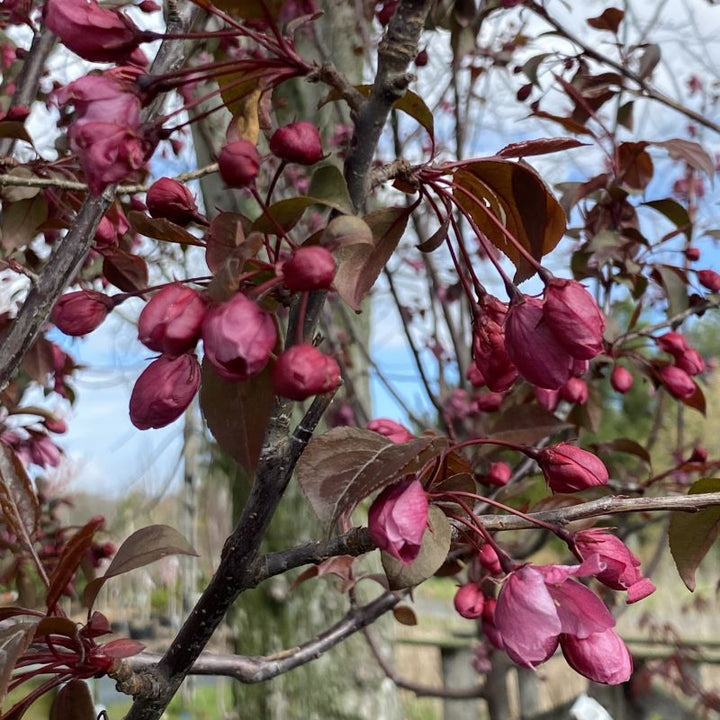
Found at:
<point>549,399</point>
<point>575,390</point>
<point>392,430</point>
<point>92,32</point>
<point>488,401</point>
<point>709,279</point>
<point>672,342</point>
<point>170,199</point>
<point>469,601</point>
<point>303,370</point>
<point>498,474</point>
<point>489,559</point>
<point>572,314</point>
<point>534,348</point>
<point>238,337</point>
<point>601,657</point>
<point>677,382</point>
<point>310,268</point>
<point>491,356</point>
<point>163,391</point>
<point>298,143</point>
<point>621,566</point>
<point>691,361</point>
<point>170,323</point>
<point>621,379</point>
<point>113,225</point>
<point>78,313</point>
<point>397,519</point>
<point>239,164</point>
<point>568,468</point>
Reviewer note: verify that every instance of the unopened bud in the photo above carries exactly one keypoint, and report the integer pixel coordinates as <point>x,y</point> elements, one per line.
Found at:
<point>709,279</point>
<point>469,601</point>
<point>303,371</point>
<point>310,268</point>
<point>297,143</point>
<point>78,313</point>
<point>170,199</point>
<point>568,468</point>
<point>239,164</point>
<point>677,382</point>
<point>621,379</point>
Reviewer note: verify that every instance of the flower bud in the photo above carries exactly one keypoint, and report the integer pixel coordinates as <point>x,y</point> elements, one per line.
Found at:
<point>672,342</point>
<point>572,314</point>
<point>488,401</point>
<point>568,468</point>
<point>575,391</point>
<point>239,163</point>
<point>238,337</point>
<point>549,399</point>
<point>310,268</point>
<point>303,371</point>
<point>699,454</point>
<point>534,349</point>
<point>677,382</point>
<point>78,313</point>
<point>163,391</point>
<point>421,59</point>
<point>170,323</point>
<point>498,474</point>
<point>170,199</point>
<point>692,254</point>
<point>709,279</point>
<point>92,32</point>
<point>491,357</point>
<point>397,519</point>
<point>602,657</point>
<point>489,559</point>
<point>297,143</point>
<point>469,601</point>
<point>621,379</point>
<point>392,430</point>
<point>691,361</point>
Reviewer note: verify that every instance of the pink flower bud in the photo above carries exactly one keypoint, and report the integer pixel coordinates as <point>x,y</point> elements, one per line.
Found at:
<point>239,164</point>
<point>475,376</point>
<point>169,199</point>
<point>709,279</point>
<point>392,430</point>
<point>568,468</point>
<point>397,519</point>
<point>170,323</point>
<point>699,454</point>
<point>534,349</point>
<point>672,342</point>
<point>491,357</point>
<point>621,379</point>
<point>575,391</point>
<point>469,601</point>
<point>677,382</point>
<point>298,143</point>
<point>489,559</point>
<point>92,32</point>
<point>303,371</point>
<point>602,657</point>
<point>488,401</point>
<point>691,362</point>
<point>78,313</point>
<point>310,268</point>
<point>549,399</point>
<point>55,425</point>
<point>238,337</point>
<point>498,474</point>
<point>692,254</point>
<point>163,391</point>
<point>572,314</point>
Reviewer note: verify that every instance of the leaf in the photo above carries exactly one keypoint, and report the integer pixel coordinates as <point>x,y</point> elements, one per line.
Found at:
<point>14,641</point>
<point>246,9</point>
<point>143,547</point>
<point>437,238</point>
<point>405,615</point>
<point>73,702</point>
<point>237,413</point>
<point>433,551</point>
<point>526,425</point>
<point>674,212</point>
<point>344,465</point>
<point>636,164</point>
<point>541,146</point>
<point>519,200</point>
<point>160,229</point>
<point>125,271</point>
<point>674,281</point>
<point>284,214</point>
<point>55,625</point>
<point>691,152</point>
<point>696,401</point>
<point>568,123</point>
<point>18,501</point>
<point>14,129</point>
<point>15,193</point>
<point>69,561</point>
<point>626,445</point>
<point>122,648</point>
<point>648,60</point>
<point>360,265</point>
<point>346,230</point>
<point>20,222</point>
<point>625,115</point>
<point>226,233</point>
<point>328,186</point>
<point>691,535</point>
<point>610,19</point>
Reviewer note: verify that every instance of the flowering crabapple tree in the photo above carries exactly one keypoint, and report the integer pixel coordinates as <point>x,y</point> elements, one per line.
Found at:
<point>526,358</point>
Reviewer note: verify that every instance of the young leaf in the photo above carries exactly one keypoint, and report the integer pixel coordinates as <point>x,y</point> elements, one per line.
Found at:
<point>237,413</point>
<point>160,229</point>
<point>519,200</point>
<point>143,547</point>
<point>433,551</point>
<point>674,212</point>
<point>14,641</point>
<point>541,146</point>
<point>691,535</point>
<point>20,222</point>
<point>343,466</point>
<point>73,702</point>
<point>19,506</point>
<point>124,270</point>
<point>328,186</point>
<point>691,152</point>
<point>526,425</point>
<point>610,19</point>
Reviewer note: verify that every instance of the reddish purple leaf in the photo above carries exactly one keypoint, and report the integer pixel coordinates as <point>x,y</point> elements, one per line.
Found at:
<point>541,146</point>
<point>160,229</point>
<point>610,19</point>
<point>14,640</point>
<point>691,152</point>
<point>122,648</point>
<point>19,506</point>
<point>125,271</point>
<point>73,702</point>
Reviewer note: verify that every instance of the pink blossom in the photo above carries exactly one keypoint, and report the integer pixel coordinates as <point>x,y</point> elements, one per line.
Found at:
<point>80,312</point>
<point>678,383</point>
<point>568,468</point>
<point>394,431</point>
<point>621,379</point>
<point>498,474</point>
<point>303,371</point>
<point>491,356</point>
<point>298,143</point>
<point>170,199</point>
<point>310,268</point>
<point>469,601</point>
<point>601,657</point>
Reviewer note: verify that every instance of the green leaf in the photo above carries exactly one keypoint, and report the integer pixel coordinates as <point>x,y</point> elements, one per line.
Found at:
<point>433,551</point>
<point>691,535</point>
<point>328,186</point>
<point>143,547</point>
<point>674,212</point>
<point>674,281</point>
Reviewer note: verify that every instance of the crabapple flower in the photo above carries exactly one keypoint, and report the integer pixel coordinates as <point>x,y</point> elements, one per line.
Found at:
<point>498,474</point>
<point>490,356</point>
<point>393,431</point>
<point>677,382</point>
<point>100,98</point>
<point>568,468</point>
<point>163,391</point>
<point>397,519</point>
<point>238,337</point>
<point>310,268</point>
<point>489,559</point>
<point>239,164</point>
<point>621,566</point>
<point>575,391</point>
<point>170,323</point>
<point>78,313</point>
<point>297,143</point>
<point>469,601</point>
<point>170,199</point>
<point>672,342</point>
<point>601,657</point>
<point>691,361</point>
<point>709,279</point>
<point>621,379</point>
<point>302,371</point>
